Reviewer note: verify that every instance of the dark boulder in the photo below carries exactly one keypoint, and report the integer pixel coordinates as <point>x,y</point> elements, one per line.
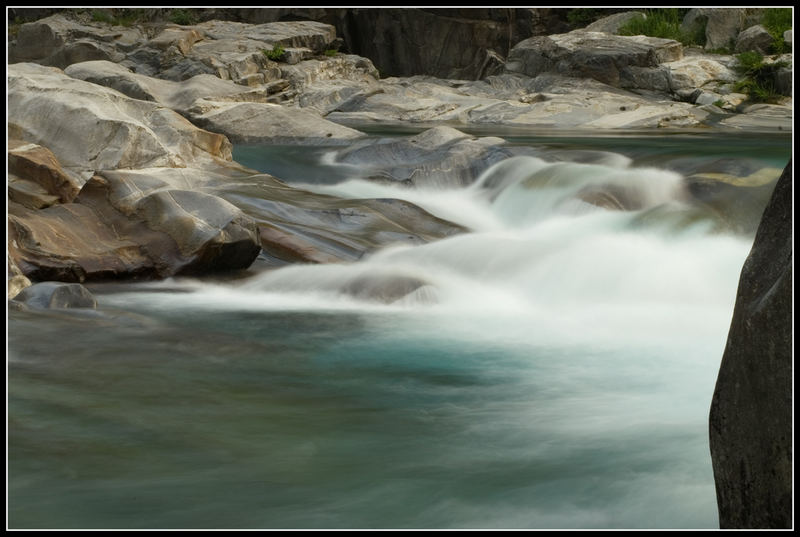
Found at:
<point>751,411</point>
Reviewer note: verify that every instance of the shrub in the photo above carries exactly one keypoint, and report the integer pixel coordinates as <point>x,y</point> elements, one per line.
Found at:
<point>580,17</point>
<point>664,23</point>
<point>776,21</point>
<point>275,54</point>
<point>331,52</point>
<point>758,80</point>
<point>183,17</point>
<point>99,15</point>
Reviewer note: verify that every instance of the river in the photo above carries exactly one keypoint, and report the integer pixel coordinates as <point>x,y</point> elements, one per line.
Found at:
<point>551,368</point>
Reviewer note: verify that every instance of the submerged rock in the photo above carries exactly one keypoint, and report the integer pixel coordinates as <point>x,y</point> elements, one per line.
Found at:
<point>750,420</point>
<point>437,157</point>
<point>49,295</point>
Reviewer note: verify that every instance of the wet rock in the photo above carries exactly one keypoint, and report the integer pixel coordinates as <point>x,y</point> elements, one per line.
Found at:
<point>437,157</point>
<point>131,225</point>
<point>49,295</point>
<point>384,288</point>
<point>750,422</point>
<point>298,225</point>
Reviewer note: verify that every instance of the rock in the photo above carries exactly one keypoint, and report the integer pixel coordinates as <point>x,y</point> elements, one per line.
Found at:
<point>98,128</point>
<point>787,37</point>
<point>16,280</point>
<point>762,116</point>
<point>132,224</point>
<point>750,421</point>
<point>269,123</point>
<point>49,295</point>
<point>722,24</point>
<point>600,56</point>
<point>38,165</point>
<point>58,41</point>
<point>298,225</point>
<point>737,196</point>
<point>613,23</point>
<point>179,96</point>
<point>384,288</point>
<point>451,43</point>
<point>755,38</point>
<point>694,72</point>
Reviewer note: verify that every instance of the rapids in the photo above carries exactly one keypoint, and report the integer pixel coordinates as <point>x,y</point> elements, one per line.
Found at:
<point>551,367</point>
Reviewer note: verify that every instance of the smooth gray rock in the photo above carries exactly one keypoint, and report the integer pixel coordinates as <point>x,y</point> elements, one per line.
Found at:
<point>750,421</point>
<point>89,127</point>
<point>755,38</point>
<point>600,56</point>
<point>269,123</point>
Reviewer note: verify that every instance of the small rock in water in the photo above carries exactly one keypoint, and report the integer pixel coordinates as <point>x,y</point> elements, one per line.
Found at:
<point>50,295</point>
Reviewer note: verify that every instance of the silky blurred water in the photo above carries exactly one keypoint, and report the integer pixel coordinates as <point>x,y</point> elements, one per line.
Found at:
<point>554,370</point>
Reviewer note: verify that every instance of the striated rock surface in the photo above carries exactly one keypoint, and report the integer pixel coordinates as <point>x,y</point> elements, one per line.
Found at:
<point>98,128</point>
<point>268,123</point>
<point>751,411</point>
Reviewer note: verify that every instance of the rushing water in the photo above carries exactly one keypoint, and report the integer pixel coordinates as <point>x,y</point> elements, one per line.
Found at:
<point>553,368</point>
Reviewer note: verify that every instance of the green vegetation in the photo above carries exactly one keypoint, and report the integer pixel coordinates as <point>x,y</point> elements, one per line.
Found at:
<point>331,52</point>
<point>184,17</point>
<point>580,17</point>
<point>98,15</point>
<point>758,80</point>
<point>665,23</point>
<point>275,54</point>
<point>119,17</point>
<point>777,20</point>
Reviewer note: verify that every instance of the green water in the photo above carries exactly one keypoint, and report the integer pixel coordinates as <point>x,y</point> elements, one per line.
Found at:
<point>567,389</point>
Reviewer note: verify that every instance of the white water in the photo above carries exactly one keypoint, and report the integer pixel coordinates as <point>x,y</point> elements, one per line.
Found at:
<point>536,254</point>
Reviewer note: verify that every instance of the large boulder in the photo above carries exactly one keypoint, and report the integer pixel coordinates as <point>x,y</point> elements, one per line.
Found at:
<point>89,127</point>
<point>613,60</point>
<point>269,123</point>
<point>132,224</point>
<point>755,38</point>
<point>59,41</point>
<point>751,411</point>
